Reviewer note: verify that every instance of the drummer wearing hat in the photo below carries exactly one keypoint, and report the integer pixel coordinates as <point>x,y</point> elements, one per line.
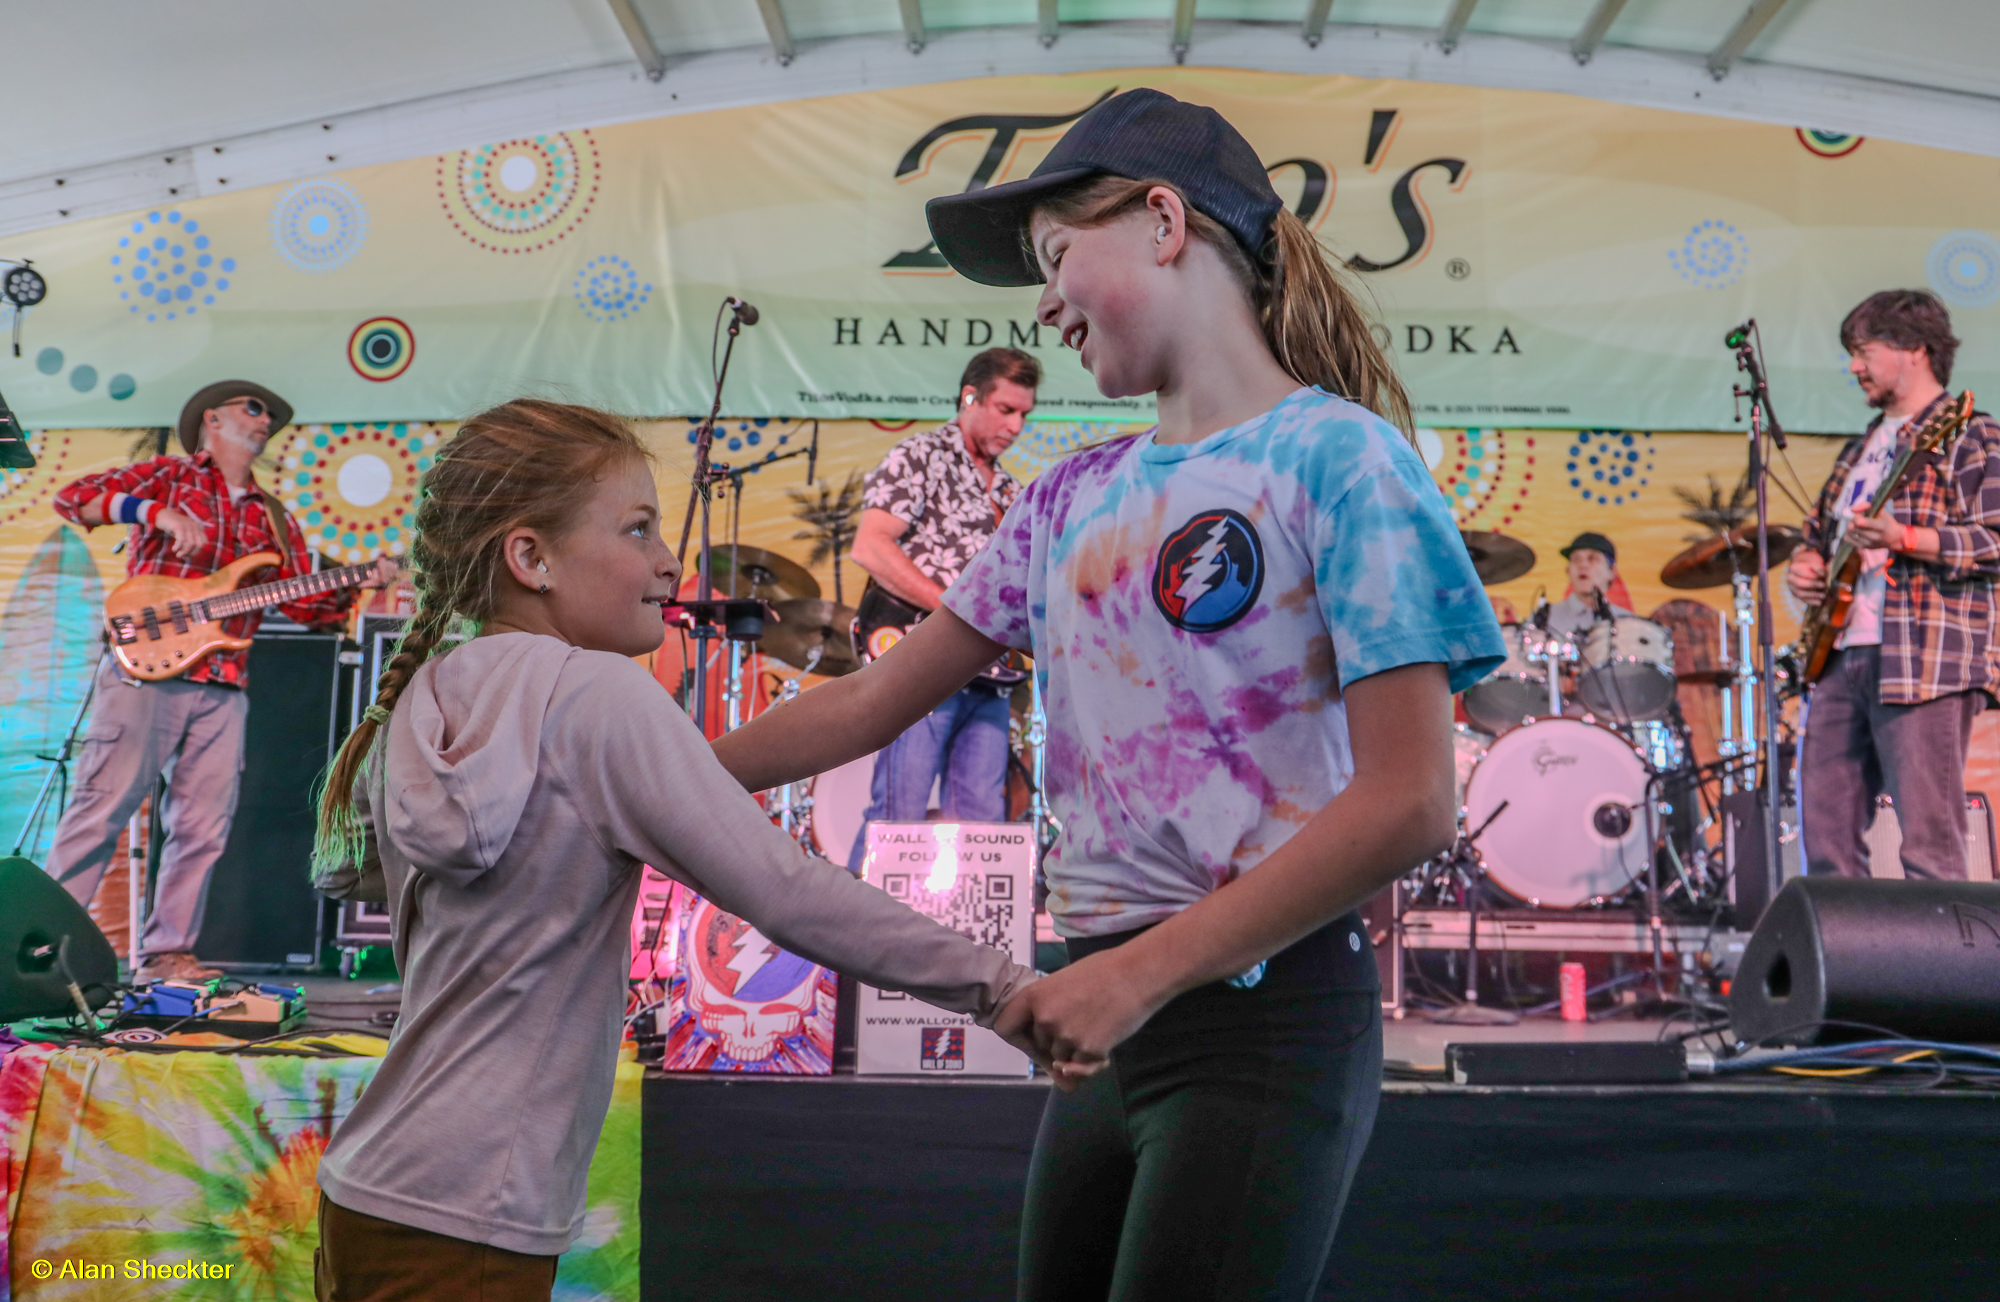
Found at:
<point>1593,586</point>
<point>191,515</point>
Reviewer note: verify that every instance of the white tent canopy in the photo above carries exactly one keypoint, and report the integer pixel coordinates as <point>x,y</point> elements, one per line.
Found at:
<point>121,104</point>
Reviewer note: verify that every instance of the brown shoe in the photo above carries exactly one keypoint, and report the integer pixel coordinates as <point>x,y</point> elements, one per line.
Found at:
<point>175,965</point>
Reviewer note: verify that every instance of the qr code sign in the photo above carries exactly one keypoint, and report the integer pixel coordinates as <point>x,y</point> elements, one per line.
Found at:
<point>979,906</point>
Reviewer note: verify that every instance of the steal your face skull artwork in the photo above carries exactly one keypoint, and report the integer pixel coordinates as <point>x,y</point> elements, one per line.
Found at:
<point>747,992</point>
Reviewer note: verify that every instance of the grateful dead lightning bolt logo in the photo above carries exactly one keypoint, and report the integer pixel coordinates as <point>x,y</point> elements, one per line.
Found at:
<point>1210,572</point>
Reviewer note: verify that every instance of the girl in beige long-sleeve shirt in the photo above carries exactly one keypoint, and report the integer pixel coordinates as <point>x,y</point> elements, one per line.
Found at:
<point>501,799</point>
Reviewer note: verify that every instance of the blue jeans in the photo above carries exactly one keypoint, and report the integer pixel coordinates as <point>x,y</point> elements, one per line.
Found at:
<point>966,740</point>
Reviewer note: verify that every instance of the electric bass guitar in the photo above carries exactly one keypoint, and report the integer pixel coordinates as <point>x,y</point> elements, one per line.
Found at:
<point>161,627</point>
<point>1822,626</point>
<point>882,620</point>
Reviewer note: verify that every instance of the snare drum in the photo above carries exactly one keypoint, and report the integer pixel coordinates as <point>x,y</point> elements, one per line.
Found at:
<point>1518,689</point>
<point>1574,829</point>
<point>1628,669</point>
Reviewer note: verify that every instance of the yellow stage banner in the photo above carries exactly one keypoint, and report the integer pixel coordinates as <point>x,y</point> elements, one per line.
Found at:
<point>1538,261</point>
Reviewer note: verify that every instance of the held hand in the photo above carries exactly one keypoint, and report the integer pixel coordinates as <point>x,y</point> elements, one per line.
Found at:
<point>386,570</point>
<point>184,529</point>
<point>1879,531</point>
<point>1077,1016</point>
<point>1806,576</point>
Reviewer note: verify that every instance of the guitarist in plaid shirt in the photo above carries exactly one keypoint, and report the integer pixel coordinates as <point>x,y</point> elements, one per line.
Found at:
<point>191,515</point>
<point>1919,657</point>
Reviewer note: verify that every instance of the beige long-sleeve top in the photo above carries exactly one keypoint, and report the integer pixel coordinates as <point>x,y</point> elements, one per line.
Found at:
<point>519,785</point>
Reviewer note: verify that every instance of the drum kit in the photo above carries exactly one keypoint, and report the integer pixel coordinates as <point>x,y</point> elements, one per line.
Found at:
<point>1575,754</point>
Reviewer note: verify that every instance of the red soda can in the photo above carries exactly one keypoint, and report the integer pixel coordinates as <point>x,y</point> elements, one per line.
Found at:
<point>1570,986</point>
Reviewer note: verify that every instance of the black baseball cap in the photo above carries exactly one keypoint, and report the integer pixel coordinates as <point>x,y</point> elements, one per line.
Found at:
<point>1142,135</point>
<point>1596,542</point>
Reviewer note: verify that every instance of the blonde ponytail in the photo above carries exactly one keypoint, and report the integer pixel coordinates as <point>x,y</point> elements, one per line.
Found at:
<point>1312,321</point>
<point>525,464</point>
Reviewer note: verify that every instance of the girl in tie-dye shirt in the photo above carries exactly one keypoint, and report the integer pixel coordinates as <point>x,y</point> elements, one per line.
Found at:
<point>1248,624</point>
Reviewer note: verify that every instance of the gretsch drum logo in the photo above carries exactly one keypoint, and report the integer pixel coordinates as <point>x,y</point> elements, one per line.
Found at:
<point>1544,759</point>
<point>1209,573</point>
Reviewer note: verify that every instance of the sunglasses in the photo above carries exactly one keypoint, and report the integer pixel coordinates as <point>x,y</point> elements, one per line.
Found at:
<point>252,407</point>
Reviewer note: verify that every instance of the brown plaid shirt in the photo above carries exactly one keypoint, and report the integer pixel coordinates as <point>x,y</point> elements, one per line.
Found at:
<point>1938,631</point>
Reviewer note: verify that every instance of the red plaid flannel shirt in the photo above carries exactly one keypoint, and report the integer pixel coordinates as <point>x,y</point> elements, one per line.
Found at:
<point>1938,630</point>
<point>193,486</point>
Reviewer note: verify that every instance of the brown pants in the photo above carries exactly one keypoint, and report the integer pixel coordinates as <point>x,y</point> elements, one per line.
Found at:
<point>363,1258</point>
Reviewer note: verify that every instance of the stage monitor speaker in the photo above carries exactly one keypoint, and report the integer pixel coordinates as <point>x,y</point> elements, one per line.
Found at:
<point>1885,840</point>
<point>1919,958</point>
<point>262,909</point>
<point>1382,915</point>
<point>39,918</point>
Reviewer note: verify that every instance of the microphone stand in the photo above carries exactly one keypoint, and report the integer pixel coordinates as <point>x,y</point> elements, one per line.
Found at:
<point>1748,344</point>
<point>702,610</point>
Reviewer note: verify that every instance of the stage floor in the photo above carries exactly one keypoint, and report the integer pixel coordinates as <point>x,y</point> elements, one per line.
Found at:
<point>869,1189</point>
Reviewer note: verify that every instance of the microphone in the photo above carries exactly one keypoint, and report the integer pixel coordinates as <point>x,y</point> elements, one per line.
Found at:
<point>1740,335</point>
<point>746,314</point>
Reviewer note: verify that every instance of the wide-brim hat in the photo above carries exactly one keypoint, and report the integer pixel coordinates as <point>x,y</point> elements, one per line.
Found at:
<point>214,395</point>
<point>1142,135</point>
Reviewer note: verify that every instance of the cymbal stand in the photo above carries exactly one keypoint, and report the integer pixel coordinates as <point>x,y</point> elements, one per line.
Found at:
<point>792,802</point>
<point>1462,861</point>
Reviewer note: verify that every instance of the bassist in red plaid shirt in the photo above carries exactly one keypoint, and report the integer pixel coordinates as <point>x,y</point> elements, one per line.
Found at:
<point>191,515</point>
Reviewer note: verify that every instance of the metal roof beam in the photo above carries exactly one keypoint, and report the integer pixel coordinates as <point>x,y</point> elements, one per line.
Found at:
<point>1748,28</point>
<point>1314,26</point>
<point>634,27</point>
<point>1045,12</point>
<point>778,30</point>
<point>1594,27</point>
<point>913,25</point>
<point>1183,29</point>
<point>1454,24</point>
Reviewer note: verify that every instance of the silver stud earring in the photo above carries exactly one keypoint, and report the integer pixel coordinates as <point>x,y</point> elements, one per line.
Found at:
<point>543,566</point>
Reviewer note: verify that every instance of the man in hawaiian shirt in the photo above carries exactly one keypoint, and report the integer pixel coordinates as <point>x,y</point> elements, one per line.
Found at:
<point>927,510</point>
<point>191,515</point>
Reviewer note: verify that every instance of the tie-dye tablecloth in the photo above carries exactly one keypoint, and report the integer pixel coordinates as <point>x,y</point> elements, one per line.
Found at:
<point>204,1159</point>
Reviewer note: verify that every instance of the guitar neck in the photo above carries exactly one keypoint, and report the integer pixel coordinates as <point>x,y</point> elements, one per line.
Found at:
<point>256,597</point>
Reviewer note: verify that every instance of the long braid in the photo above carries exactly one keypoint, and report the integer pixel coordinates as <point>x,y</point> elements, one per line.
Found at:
<point>527,463</point>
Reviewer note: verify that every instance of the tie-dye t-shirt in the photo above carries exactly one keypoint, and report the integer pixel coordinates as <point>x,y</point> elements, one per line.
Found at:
<point>1191,609</point>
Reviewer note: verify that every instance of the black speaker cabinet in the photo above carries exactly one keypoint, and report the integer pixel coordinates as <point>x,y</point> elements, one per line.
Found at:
<point>262,908</point>
<point>1922,958</point>
<point>46,938</point>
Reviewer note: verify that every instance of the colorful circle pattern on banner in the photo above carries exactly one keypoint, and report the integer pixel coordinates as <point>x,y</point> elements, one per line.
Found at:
<point>381,349</point>
<point>520,195</point>
<point>166,267</point>
<point>1964,268</point>
<point>1483,479</point>
<point>608,289</point>
<point>1610,466</point>
<point>83,377</point>
<point>318,225</point>
<point>1044,442</point>
<point>353,488</point>
<point>1829,144</point>
<point>751,432</point>
<point>1714,255</point>
<point>30,494</point>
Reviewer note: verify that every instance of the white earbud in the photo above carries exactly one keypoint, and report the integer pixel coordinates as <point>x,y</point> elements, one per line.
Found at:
<point>1162,236</point>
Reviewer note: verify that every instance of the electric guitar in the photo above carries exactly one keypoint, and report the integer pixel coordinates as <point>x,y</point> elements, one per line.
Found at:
<point>161,627</point>
<point>1821,628</point>
<point>883,620</point>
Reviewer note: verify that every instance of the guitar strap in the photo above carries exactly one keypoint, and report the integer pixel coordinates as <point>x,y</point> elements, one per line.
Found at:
<point>279,528</point>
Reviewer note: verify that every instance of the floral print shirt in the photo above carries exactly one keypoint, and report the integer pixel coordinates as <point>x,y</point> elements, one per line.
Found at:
<point>930,482</point>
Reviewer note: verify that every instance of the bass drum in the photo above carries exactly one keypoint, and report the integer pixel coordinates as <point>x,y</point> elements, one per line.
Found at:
<point>840,799</point>
<point>1468,748</point>
<point>1574,827</point>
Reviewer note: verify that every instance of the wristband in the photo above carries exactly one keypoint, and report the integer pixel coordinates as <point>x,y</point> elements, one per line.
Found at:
<point>127,509</point>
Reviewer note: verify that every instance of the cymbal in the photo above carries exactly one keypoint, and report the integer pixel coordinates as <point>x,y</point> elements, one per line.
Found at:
<point>806,623</point>
<point>764,575</point>
<point>1497,558</point>
<point>1711,562</point>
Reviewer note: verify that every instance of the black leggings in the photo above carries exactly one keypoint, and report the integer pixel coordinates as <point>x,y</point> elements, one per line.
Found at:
<point>1211,1158</point>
